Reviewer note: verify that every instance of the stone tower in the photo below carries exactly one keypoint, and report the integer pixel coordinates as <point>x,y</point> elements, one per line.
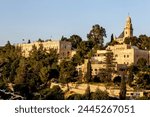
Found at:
<point>128,30</point>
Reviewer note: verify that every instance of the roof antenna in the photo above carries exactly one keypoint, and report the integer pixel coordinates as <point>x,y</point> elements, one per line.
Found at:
<point>128,14</point>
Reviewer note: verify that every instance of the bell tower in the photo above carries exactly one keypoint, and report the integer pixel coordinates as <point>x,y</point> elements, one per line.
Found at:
<point>128,30</point>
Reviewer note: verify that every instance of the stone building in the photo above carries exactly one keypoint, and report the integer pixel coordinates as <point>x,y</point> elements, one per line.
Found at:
<point>127,32</point>
<point>124,54</point>
<point>63,47</point>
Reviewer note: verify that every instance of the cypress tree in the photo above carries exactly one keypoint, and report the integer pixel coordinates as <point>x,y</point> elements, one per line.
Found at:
<point>88,75</point>
<point>122,94</point>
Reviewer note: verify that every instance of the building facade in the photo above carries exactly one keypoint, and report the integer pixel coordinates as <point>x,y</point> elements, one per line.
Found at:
<point>125,54</point>
<point>63,47</point>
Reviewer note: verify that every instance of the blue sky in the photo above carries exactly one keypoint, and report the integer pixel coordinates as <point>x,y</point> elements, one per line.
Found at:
<point>33,19</point>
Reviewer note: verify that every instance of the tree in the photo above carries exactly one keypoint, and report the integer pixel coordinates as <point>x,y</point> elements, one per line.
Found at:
<point>117,80</point>
<point>102,76</point>
<point>132,71</point>
<point>75,41</point>
<point>100,95</point>
<point>143,80</point>
<point>143,42</point>
<point>29,41</point>
<point>146,79</point>
<point>9,62</point>
<point>122,93</point>
<point>131,40</point>
<point>42,63</point>
<point>75,97</point>
<point>112,41</point>
<point>44,74</point>
<point>133,68</point>
<point>110,64</point>
<point>68,72</point>
<point>141,62</point>
<point>112,38</point>
<point>110,60</point>
<point>64,38</point>
<point>82,50</point>
<point>40,40</point>
<point>88,75</point>
<point>55,93</point>
<point>22,72</point>
<point>96,36</point>
<point>87,94</point>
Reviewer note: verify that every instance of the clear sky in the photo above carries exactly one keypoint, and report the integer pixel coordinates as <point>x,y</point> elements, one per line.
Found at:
<point>33,19</point>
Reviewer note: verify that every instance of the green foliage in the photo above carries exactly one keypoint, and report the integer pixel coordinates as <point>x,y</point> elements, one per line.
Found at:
<point>75,97</point>
<point>142,42</point>
<point>29,41</point>
<point>40,40</point>
<point>132,70</point>
<point>52,94</point>
<point>112,38</point>
<point>9,62</point>
<point>141,62</point>
<point>68,72</point>
<point>64,38</point>
<point>88,75</point>
<point>27,75</point>
<point>44,74</point>
<point>31,77</point>
<point>82,50</point>
<point>131,40</point>
<point>110,60</point>
<point>105,75</point>
<point>117,80</point>
<point>122,93</point>
<point>112,42</point>
<point>102,76</point>
<point>143,80</point>
<point>23,90</point>
<point>96,36</point>
<point>87,94</point>
<point>100,95</point>
<point>97,95</point>
<point>22,72</point>
<point>75,41</point>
